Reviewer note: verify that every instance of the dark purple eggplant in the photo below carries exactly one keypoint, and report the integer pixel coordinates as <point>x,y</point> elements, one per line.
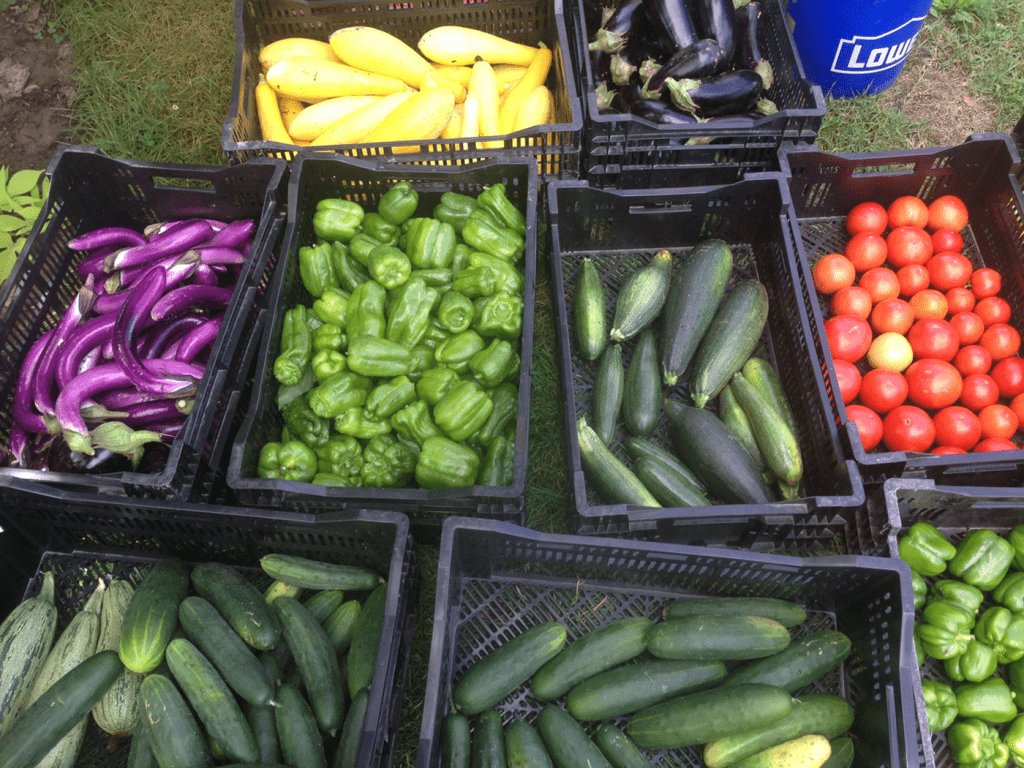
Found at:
<point>594,13</point>
<point>748,50</point>
<point>672,20</point>
<point>723,94</point>
<point>661,112</point>
<point>600,62</point>
<point>716,20</point>
<point>703,58</point>
<point>626,97</point>
<point>616,30</point>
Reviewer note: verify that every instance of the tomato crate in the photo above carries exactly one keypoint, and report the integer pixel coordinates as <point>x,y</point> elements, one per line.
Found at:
<point>82,539</point>
<point>619,230</point>
<point>824,187</point>
<point>88,191</point>
<point>259,22</point>
<point>315,176</point>
<point>496,580</point>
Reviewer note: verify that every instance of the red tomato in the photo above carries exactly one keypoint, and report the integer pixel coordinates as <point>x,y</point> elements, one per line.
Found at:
<point>881,283</point>
<point>851,300</point>
<point>934,338</point>
<point>949,270</point>
<point>908,211</point>
<point>848,378</point>
<point>1001,340</point>
<point>998,420</point>
<point>895,315</point>
<point>867,217</point>
<point>959,300</point>
<point>929,304</point>
<point>849,337</point>
<point>947,212</point>
<point>866,251</point>
<point>973,358</point>
<point>979,390</point>
<point>947,450</point>
<point>986,282</point>
<point>1017,404</point>
<point>995,444</point>
<point>947,240</point>
<point>882,390</point>
<point>1009,376</point>
<point>908,245</point>
<point>908,428</point>
<point>868,423</point>
<point>913,278</point>
<point>992,310</point>
<point>958,427</point>
<point>968,326</point>
<point>832,272</point>
<point>933,383</point>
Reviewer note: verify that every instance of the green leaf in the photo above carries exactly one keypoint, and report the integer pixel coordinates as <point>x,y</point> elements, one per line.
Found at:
<point>7,259</point>
<point>6,241</point>
<point>23,182</point>
<point>11,223</point>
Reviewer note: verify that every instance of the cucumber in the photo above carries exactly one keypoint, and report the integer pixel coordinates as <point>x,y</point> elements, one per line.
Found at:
<point>825,714</point>
<point>590,309</point>
<point>26,636</point>
<point>590,654</point>
<point>314,574</point>
<point>641,297</point>
<point>811,751</point>
<point>276,588</point>
<point>341,625</point>
<point>347,753</point>
<point>239,602</point>
<point>730,338</point>
<point>455,741</point>
<point>505,668</point>
<point>669,487</point>
<point>152,615</point>
<point>140,755</point>
<point>261,716</point>
<point>618,748</point>
<point>297,732</point>
<point>691,305</point>
<point>775,440</point>
<point>362,652</point>
<point>787,613</point>
<point>735,418</point>
<point>698,718</point>
<point>802,663</point>
<point>842,753</point>
<point>524,748</point>
<point>212,701</point>
<point>615,481</point>
<point>641,400</point>
<point>487,746</point>
<point>707,447</point>
<point>323,603</point>
<point>628,689</point>
<point>607,393</point>
<point>566,741</point>
<point>760,373</point>
<point>174,735</point>
<point>640,446</point>
<point>717,638</point>
<point>117,711</point>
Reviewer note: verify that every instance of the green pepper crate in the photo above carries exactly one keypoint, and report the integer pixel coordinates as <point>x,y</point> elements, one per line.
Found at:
<point>496,580</point>
<point>82,538</point>
<point>620,230</point>
<point>315,176</point>
<point>89,190</point>
<point>824,188</point>
<point>259,22</point>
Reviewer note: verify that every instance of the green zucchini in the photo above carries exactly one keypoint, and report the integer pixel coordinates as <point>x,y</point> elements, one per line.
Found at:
<point>152,615</point>
<point>494,676</point>
<point>733,334</point>
<point>323,603</point>
<point>212,700</point>
<point>365,644</point>
<point>607,393</point>
<point>691,305</point>
<point>297,732</point>
<point>707,447</point>
<point>800,664</point>
<point>641,400</point>
<point>174,735</point>
<point>735,418</point>
<point>618,748</point>
<point>524,748</point>
<point>52,716</point>
<point>788,614</point>
<point>698,718</point>
<point>276,588</point>
<point>640,446</point>
<point>614,480</point>
<point>810,751</point>
<point>314,574</point>
<point>778,445</point>
<point>487,745</point>
<point>842,753</point>
<point>669,487</point>
<point>590,654</point>
<point>822,713</point>
<point>630,688</point>
<point>717,638</point>
<point>590,310</point>
<point>242,605</point>
<point>455,741</point>
<point>347,753</point>
<point>117,711</point>
<point>760,373</point>
<point>641,297</point>
<point>567,743</point>
<point>341,625</point>
<point>26,636</point>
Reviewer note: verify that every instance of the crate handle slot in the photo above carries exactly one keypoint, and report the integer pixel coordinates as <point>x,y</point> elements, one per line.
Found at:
<point>683,207</point>
<point>888,169</point>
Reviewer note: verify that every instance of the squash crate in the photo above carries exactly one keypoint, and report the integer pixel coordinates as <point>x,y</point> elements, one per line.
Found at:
<point>496,580</point>
<point>625,151</point>
<point>89,191</point>
<point>315,177</point>
<point>620,230</point>
<point>82,540</point>
<point>258,22</point>
<point>824,187</point>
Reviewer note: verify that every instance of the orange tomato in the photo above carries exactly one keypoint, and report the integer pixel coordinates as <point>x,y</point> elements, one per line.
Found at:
<point>929,304</point>
<point>986,282</point>
<point>892,315</point>
<point>833,272</point>
<point>1001,340</point>
<point>851,300</point>
<point>947,212</point>
<point>867,217</point>
<point>908,245</point>
<point>992,310</point>
<point>881,283</point>
<point>949,270</point>
<point>998,420</point>
<point>865,251</point>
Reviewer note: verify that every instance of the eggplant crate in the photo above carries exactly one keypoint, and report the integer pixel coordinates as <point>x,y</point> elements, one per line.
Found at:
<point>824,188</point>
<point>620,230</point>
<point>89,191</point>
<point>259,22</point>
<point>315,177</point>
<point>82,540</point>
<point>496,580</point>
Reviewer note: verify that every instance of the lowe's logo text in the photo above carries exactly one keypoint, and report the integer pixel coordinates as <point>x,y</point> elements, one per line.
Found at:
<point>875,54</point>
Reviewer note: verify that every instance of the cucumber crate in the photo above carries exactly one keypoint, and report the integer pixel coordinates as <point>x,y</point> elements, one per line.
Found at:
<point>620,230</point>
<point>81,540</point>
<point>496,580</point>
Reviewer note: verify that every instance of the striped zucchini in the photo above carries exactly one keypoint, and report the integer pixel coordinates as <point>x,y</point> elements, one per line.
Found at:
<point>607,393</point>
<point>117,711</point>
<point>735,418</point>
<point>26,637</point>
<point>314,574</point>
<point>641,297</point>
<point>590,312</point>
<point>670,487</point>
<point>778,444</point>
<point>760,373</point>
<point>239,602</point>
<point>642,447</point>
<point>641,400</point>
<point>615,481</point>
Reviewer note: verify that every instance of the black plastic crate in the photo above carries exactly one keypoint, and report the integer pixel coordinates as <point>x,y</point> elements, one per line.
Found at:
<point>620,230</point>
<point>259,22</point>
<point>82,538</point>
<point>90,190</point>
<point>496,580</point>
<point>318,176</point>
<point>622,150</point>
<point>824,188</point>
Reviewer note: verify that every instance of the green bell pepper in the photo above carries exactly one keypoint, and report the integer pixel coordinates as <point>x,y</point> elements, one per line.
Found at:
<point>409,312</point>
<point>920,589</point>
<point>918,646</point>
<point>414,423</point>
<point>455,312</point>
<point>341,456</point>
<point>387,462</point>
<point>1014,740</point>
<point>434,383</point>
<point>350,272</point>
<point>380,229</point>
<point>331,306</point>
<point>376,357</point>
<point>357,423</point>
<point>978,662</point>
<point>491,365</point>
<point>945,629</point>
<point>460,259</point>
<point>435,333</point>
<point>296,347</point>
<point>435,278</point>
<point>304,424</point>
<point>484,233</point>
<point>317,269</point>
<point>337,481</point>
<point>359,248</point>
<point>1009,593</point>
<point>293,460</point>
<point>506,276</point>
<point>1015,679</point>
<point>389,396</point>
<point>337,220</point>
<point>389,266</point>
<point>430,243</point>
<point>365,313</point>
<point>506,408</point>
<point>982,558</point>
<point>422,360</point>
<point>444,463</point>
<point>989,701</point>
<point>498,464</point>
<point>1002,631</point>
<point>966,596</point>
<point>456,351</point>
<point>500,315</point>
<point>939,703</point>
<point>1016,539</point>
<point>329,337</point>
<point>974,744</point>
<point>454,209</point>
<point>327,363</point>
<point>463,410</point>
<point>475,282</point>
<point>398,203</point>
<point>494,199</point>
<point>339,393</point>
<point>925,549</point>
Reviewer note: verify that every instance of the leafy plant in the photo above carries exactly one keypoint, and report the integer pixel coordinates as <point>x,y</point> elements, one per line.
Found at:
<point>963,12</point>
<point>21,200</point>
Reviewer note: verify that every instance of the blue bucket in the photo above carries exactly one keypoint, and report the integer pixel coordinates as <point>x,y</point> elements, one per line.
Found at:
<point>855,47</point>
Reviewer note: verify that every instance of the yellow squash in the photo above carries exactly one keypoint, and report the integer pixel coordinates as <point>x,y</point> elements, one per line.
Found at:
<point>351,128</point>
<point>484,85</point>
<point>317,118</point>
<point>290,109</point>
<point>534,76</point>
<point>422,116</point>
<point>294,47</point>
<point>269,113</point>
<point>315,80</point>
<point>455,46</point>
